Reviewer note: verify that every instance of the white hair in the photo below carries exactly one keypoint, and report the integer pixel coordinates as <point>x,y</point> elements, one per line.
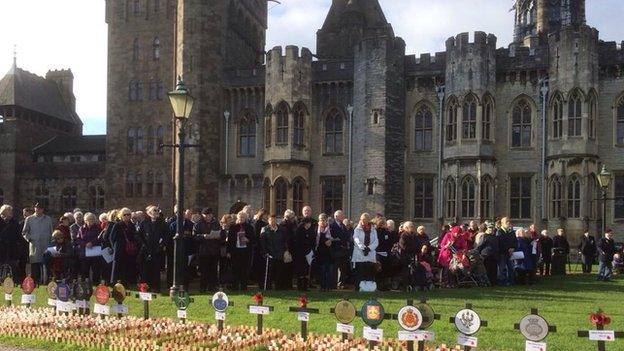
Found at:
<point>5,208</point>
<point>289,214</point>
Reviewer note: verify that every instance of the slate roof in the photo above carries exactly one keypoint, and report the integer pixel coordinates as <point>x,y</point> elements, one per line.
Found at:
<point>30,91</point>
<point>369,10</point>
<point>85,144</point>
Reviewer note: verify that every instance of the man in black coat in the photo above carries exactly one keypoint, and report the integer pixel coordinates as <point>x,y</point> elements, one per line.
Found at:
<point>606,250</point>
<point>506,245</point>
<point>587,249</point>
<point>209,236</point>
<point>10,238</point>
<point>341,250</point>
<point>152,232</point>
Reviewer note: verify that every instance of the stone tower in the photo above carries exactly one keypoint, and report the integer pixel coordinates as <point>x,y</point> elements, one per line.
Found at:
<point>538,18</point>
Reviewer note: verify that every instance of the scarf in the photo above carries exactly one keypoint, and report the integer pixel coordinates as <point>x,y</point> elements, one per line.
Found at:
<point>367,234</point>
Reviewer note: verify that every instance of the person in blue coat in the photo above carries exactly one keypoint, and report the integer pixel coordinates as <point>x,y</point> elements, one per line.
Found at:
<point>524,267</point>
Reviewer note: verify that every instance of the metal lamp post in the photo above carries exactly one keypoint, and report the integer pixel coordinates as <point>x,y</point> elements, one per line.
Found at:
<point>604,178</point>
<point>182,104</point>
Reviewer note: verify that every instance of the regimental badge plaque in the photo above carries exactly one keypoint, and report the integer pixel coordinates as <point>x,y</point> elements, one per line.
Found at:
<point>52,290</point>
<point>467,321</point>
<point>427,313</point>
<point>62,292</point>
<point>182,300</point>
<point>220,302</point>
<point>372,313</point>
<point>345,311</point>
<point>8,285</point>
<point>534,327</point>
<point>102,294</point>
<point>28,285</point>
<point>119,293</point>
<point>410,318</point>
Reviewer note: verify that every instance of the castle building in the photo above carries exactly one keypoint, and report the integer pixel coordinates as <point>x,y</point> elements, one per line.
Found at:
<point>476,131</point>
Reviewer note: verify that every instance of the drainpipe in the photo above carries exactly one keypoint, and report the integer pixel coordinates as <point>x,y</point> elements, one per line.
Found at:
<point>226,114</point>
<point>544,91</point>
<point>350,171</point>
<point>440,91</point>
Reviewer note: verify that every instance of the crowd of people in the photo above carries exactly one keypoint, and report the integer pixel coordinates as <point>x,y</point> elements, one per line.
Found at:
<point>302,252</point>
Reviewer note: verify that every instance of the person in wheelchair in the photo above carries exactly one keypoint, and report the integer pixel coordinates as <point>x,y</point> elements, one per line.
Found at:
<point>58,257</point>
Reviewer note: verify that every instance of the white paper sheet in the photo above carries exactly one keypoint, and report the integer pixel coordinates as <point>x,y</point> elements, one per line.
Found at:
<point>94,251</point>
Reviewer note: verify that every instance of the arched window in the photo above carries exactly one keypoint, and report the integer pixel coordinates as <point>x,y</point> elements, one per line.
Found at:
<point>266,196</point>
<point>487,196</point>
<point>42,196</point>
<point>468,199</point>
<point>423,129</point>
<point>574,197</point>
<point>282,125</point>
<point>69,198</point>
<point>96,198</point>
<point>332,193</point>
<point>131,141</point>
<point>592,116</point>
<point>281,195</point>
<point>423,197</point>
<point>620,122</point>
<point>149,184</point>
<point>136,9</point>
<point>135,49</point>
<point>450,197</point>
<point>298,189</point>
<point>557,118</point>
<point>556,197</point>
<point>138,184</point>
<point>619,196</point>
<point>159,181</point>
<point>299,126</point>
<point>486,122</point>
<point>333,132</point>
<point>150,140</point>
<point>268,130</point>
<point>451,121</point>
<point>160,140</point>
<point>593,194</point>
<point>130,184</point>
<point>156,49</point>
<point>247,135</point>
<point>469,118</point>
<point>135,90</point>
<point>156,6</point>
<point>521,125</point>
<point>575,116</point>
<point>140,147</point>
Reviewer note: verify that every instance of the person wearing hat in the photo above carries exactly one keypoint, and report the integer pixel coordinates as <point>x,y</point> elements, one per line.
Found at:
<point>209,237</point>
<point>606,250</point>
<point>488,249</point>
<point>37,231</point>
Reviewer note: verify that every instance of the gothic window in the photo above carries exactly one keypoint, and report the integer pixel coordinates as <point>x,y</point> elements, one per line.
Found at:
<point>423,197</point>
<point>333,132</point>
<point>619,196</point>
<point>131,141</point>
<point>160,139</point>
<point>487,196</point>
<point>468,197</point>
<point>96,198</point>
<point>575,116</point>
<point>520,197</point>
<point>135,50</point>
<point>130,184</point>
<point>282,125</point>
<point>135,91</point>
<point>247,136</point>
<point>557,118</point>
<point>332,193</point>
<point>156,49</point>
<point>620,122</point>
<point>298,189</point>
<point>69,198</point>
<point>42,196</point>
<point>149,184</point>
<point>299,127</point>
<point>281,195</point>
<point>156,6</point>
<point>266,196</point>
<point>521,125</point>
<point>469,118</point>
<point>592,116</point>
<point>267,131</point>
<point>136,8</point>
<point>451,122</point>
<point>450,196</point>
<point>556,197</point>
<point>423,129</point>
<point>486,122</point>
<point>593,193</point>
<point>159,182</point>
<point>150,140</point>
<point>138,184</point>
<point>574,197</point>
<point>140,146</point>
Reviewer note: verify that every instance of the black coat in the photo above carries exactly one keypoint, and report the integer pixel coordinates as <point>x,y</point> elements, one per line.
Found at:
<point>489,247</point>
<point>302,244</point>
<point>506,240</point>
<point>273,242</point>
<point>208,247</point>
<point>561,242</point>
<point>233,238</point>
<point>10,240</point>
<point>120,235</point>
<point>153,235</point>
<point>588,246</point>
<point>606,250</point>
<point>341,249</point>
<point>545,248</point>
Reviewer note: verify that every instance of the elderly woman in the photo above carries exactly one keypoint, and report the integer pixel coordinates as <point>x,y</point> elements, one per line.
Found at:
<point>58,257</point>
<point>487,246</point>
<point>127,246</point>
<point>10,238</point>
<point>452,244</point>
<point>524,266</point>
<point>240,237</point>
<point>88,237</point>
<point>303,243</point>
<point>364,250</point>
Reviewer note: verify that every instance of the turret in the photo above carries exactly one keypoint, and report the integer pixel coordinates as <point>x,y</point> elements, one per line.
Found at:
<point>64,79</point>
<point>470,66</point>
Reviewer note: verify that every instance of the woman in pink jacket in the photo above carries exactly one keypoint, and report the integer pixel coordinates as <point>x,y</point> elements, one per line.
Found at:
<point>452,243</point>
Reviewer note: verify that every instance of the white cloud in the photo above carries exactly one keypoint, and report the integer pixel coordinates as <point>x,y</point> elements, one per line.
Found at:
<point>72,34</point>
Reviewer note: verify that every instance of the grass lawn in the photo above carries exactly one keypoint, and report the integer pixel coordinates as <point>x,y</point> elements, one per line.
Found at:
<point>563,301</point>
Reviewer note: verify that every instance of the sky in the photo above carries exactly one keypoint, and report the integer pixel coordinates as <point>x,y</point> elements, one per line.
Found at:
<point>72,34</point>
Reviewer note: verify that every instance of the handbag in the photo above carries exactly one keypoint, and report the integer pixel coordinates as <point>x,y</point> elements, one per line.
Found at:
<point>287,257</point>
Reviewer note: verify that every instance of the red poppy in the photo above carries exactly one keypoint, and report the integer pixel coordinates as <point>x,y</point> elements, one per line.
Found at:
<point>143,287</point>
<point>599,318</point>
<point>258,298</point>
<point>303,301</point>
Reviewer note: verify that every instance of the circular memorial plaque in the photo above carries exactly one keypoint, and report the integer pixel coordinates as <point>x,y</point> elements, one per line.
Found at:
<point>119,293</point>
<point>79,292</point>
<point>467,321</point>
<point>62,292</point>
<point>372,313</point>
<point>534,327</point>
<point>182,299</point>
<point>52,290</point>
<point>410,318</point>
<point>102,294</point>
<point>427,313</point>
<point>28,285</point>
<point>8,285</point>
<point>345,311</point>
<point>88,289</point>
<point>220,301</point>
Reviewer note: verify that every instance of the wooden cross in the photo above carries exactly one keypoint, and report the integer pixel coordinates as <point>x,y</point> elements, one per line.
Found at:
<point>220,321</point>
<point>371,343</point>
<point>260,310</point>
<point>534,311</point>
<point>146,297</point>
<point>601,343</point>
<point>484,323</point>
<point>332,310</point>
<point>421,343</point>
<point>303,309</point>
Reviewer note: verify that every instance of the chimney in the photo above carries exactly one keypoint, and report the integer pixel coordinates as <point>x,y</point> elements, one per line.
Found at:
<point>64,80</point>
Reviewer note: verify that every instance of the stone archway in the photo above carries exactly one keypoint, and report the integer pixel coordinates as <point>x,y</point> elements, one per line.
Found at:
<point>237,207</point>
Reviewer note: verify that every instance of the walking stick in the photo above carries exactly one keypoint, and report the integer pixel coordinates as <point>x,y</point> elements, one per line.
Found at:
<point>266,271</point>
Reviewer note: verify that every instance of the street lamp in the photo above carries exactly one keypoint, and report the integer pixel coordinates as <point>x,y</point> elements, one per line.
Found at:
<point>182,104</point>
<point>604,178</point>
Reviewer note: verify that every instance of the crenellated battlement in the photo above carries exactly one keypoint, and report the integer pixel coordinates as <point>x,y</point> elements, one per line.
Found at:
<point>461,42</point>
<point>433,62</point>
<point>277,56</point>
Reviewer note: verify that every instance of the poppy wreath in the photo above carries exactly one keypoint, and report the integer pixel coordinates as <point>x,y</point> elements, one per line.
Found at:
<point>599,318</point>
